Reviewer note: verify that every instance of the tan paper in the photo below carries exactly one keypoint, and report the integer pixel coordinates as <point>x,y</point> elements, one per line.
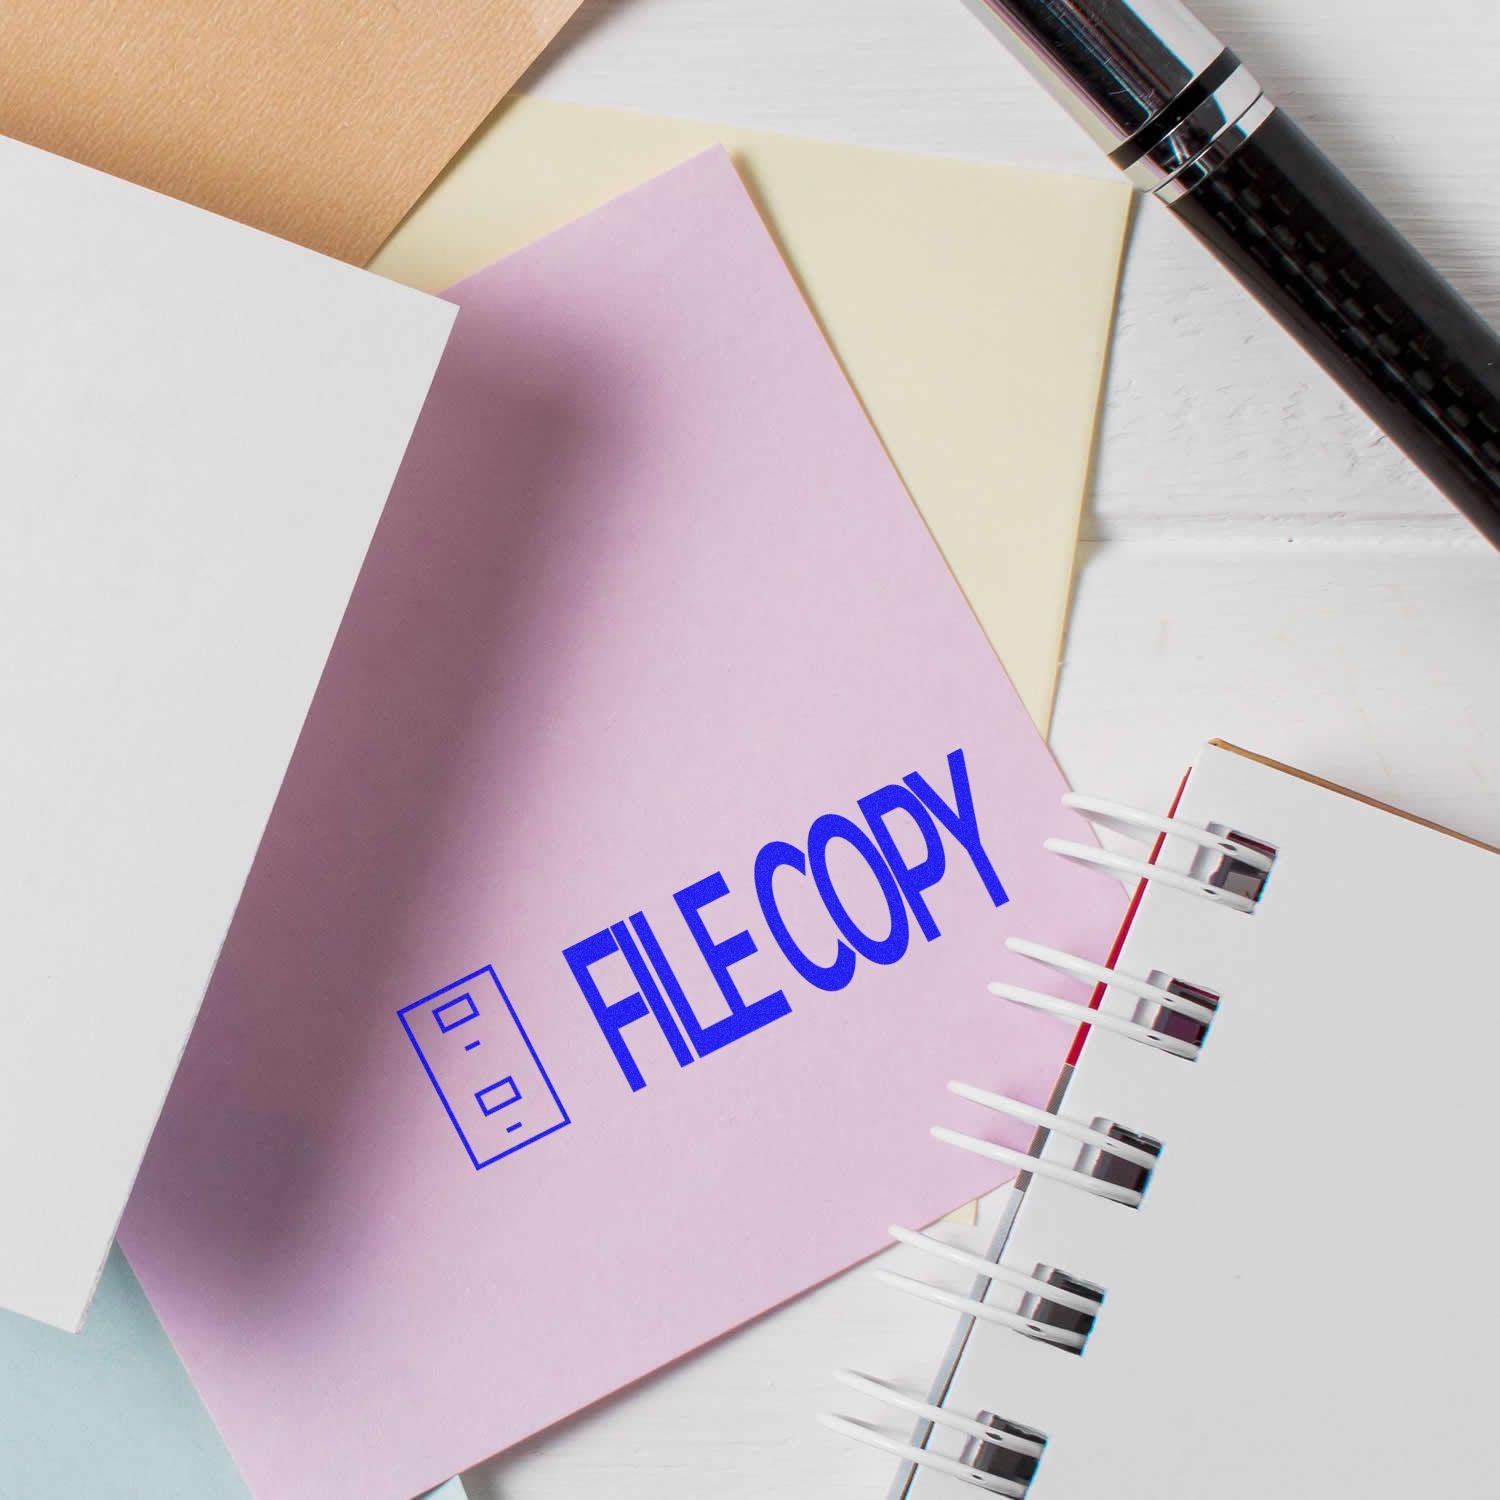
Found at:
<point>970,305</point>
<point>319,120</point>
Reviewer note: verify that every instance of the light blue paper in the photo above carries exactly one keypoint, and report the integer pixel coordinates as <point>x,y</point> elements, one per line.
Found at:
<point>109,1413</point>
<point>106,1414</point>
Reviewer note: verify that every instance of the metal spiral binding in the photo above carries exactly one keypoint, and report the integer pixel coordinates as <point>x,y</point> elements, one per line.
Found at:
<point>1113,1162</point>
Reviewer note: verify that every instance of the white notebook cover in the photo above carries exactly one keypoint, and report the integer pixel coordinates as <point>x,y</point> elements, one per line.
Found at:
<point>1296,1307</point>
<point>198,427</point>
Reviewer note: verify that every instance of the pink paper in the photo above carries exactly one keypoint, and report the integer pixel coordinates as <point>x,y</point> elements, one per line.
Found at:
<point>647,598</point>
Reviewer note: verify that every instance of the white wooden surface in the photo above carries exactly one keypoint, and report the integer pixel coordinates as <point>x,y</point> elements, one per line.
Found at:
<point>1258,563</point>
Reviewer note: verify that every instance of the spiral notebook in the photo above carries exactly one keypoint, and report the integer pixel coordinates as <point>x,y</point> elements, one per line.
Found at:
<point>1248,1252</point>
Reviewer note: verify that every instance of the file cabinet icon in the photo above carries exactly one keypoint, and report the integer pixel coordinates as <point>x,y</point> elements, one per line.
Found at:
<point>483,1067</point>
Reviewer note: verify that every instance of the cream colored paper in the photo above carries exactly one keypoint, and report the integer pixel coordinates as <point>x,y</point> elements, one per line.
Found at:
<point>970,305</point>
<point>319,120</point>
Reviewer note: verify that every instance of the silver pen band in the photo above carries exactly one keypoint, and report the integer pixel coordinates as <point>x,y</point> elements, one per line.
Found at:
<point>1154,88</point>
<point>1208,136</point>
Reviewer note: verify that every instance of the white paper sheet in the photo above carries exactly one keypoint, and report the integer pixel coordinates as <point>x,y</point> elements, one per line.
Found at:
<point>198,427</point>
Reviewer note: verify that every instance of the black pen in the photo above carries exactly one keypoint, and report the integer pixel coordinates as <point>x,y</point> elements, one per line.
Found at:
<point>1179,113</point>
